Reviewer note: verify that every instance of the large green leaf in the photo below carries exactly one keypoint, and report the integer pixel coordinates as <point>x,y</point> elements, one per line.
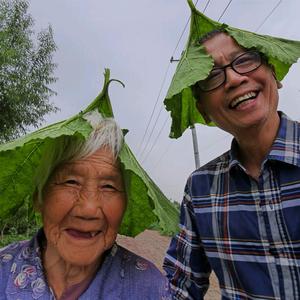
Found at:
<point>195,64</point>
<point>281,53</point>
<point>147,207</point>
<point>19,160</point>
<point>189,70</point>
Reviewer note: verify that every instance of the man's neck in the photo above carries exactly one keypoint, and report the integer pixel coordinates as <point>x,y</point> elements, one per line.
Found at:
<point>254,148</point>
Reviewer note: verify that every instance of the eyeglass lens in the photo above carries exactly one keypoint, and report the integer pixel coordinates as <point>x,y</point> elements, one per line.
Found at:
<point>244,63</point>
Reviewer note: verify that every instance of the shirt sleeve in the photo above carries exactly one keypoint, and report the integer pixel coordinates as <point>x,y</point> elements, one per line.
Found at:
<point>186,264</point>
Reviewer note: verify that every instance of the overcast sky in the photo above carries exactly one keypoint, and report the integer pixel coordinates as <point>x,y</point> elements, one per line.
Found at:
<point>135,39</point>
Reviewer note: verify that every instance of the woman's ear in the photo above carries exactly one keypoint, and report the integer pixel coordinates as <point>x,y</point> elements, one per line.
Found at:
<point>202,112</point>
<point>36,203</point>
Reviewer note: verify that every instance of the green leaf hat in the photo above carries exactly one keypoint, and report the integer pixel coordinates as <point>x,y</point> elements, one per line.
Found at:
<point>147,206</point>
<point>195,64</point>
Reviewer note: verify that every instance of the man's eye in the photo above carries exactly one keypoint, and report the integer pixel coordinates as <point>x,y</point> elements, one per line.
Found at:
<point>214,73</point>
<point>243,60</point>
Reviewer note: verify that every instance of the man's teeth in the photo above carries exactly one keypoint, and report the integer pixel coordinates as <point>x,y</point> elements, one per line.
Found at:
<point>238,100</point>
<point>94,233</point>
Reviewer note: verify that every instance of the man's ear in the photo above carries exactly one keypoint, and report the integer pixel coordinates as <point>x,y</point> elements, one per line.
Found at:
<point>202,112</point>
<point>278,83</point>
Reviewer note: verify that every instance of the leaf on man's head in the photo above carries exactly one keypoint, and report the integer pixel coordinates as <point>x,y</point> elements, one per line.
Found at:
<point>195,64</point>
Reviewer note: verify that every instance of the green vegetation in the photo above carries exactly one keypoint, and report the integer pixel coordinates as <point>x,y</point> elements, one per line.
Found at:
<point>26,70</point>
<point>22,225</point>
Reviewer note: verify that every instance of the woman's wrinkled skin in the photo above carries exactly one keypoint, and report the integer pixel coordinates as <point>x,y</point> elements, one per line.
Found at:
<point>82,209</point>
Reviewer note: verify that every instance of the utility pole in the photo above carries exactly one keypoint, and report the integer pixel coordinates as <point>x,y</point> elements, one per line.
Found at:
<point>195,144</point>
<point>194,133</point>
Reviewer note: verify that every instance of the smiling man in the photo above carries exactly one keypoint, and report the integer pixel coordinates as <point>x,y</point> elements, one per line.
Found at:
<point>240,212</point>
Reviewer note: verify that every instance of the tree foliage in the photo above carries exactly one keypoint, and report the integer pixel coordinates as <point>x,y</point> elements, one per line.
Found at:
<point>26,70</point>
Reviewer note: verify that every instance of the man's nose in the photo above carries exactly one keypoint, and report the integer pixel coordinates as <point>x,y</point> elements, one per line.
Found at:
<point>233,78</point>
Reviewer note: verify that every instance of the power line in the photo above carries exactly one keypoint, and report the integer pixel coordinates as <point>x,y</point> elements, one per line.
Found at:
<point>151,133</point>
<point>268,16</point>
<point>222,14</point>
<point>158,97</point>
<point>207,3</point>
<point>163,154</point>
<point>157,137</point>
<point>159,94</point>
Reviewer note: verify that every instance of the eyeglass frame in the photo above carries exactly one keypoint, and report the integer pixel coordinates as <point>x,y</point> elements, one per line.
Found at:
<point>223,68</point>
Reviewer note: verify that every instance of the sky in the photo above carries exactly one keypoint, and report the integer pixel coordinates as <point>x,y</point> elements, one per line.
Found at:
<point>135,39</point>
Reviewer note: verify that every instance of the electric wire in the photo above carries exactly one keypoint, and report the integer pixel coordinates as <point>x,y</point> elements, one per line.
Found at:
<point>141,153</point>
<point>163,154</point>
<point>269,15</point>
<point>151,133</point>
<point>206,5</point>
<point>159,94</point>
<point>222,14</point>
<point>226,137</point>
<point>157,137</point>
<point>152,114</point>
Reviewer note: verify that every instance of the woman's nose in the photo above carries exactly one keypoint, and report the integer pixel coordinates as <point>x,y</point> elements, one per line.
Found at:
<point>89,203</point>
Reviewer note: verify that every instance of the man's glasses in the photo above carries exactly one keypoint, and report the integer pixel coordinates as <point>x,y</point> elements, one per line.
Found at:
<point>244,63</point>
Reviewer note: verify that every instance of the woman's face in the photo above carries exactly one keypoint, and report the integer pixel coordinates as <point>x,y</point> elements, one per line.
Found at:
<point>82,209</point>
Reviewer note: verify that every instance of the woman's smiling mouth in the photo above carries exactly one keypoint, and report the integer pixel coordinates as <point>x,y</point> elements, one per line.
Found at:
<point>82,234</point>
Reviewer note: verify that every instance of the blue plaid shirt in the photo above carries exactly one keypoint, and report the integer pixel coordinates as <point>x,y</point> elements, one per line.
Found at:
<point>247,231</point>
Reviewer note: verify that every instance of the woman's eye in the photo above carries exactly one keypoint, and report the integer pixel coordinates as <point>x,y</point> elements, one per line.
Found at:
<point>108,187</point>
<point>71,182</point>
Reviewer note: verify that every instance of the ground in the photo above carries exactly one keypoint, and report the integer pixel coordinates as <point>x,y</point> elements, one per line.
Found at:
<point>151,245</point>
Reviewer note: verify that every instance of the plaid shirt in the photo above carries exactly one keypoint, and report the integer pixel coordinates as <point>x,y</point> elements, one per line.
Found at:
<point>247,231</point>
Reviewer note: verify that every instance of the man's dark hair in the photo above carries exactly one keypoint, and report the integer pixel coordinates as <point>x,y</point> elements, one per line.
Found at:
<point>210,35</point>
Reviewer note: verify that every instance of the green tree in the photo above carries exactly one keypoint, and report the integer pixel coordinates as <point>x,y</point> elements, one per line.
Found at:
<point>26,70</point>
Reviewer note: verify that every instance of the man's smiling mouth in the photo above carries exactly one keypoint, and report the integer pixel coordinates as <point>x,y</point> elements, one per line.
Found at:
<point>246,97</point>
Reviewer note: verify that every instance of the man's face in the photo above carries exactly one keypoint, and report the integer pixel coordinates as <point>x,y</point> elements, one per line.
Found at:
<point>243,101</point>
<point>83,206</point>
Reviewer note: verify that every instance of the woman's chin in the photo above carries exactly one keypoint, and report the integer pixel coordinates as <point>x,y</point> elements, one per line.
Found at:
<point>83,252</point>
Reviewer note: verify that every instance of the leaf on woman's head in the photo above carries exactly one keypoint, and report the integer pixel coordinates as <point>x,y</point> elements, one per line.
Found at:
<point>21,158</point>
<point>195,64</point>
<point>147,207</point>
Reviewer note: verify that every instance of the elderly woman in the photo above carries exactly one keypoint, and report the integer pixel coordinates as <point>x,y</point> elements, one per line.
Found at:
<point>81,196</point>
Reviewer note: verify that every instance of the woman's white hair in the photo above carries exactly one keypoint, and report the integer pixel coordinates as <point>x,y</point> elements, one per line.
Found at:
<point>105,134</point>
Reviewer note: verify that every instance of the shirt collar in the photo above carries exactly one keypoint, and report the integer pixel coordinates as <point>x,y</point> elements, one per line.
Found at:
<point>286,145</point>
<point>233,156</point>
<point>285,148</point>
